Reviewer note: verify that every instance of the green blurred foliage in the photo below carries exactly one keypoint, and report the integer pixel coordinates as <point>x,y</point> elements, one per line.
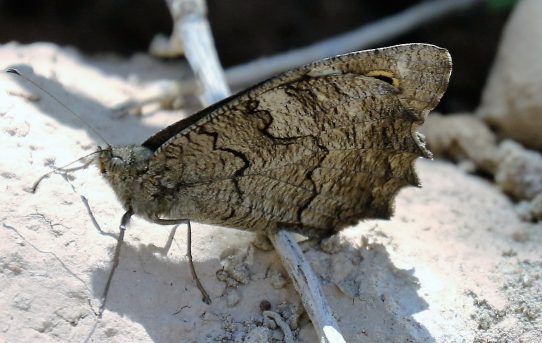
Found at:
<point>501,5</point>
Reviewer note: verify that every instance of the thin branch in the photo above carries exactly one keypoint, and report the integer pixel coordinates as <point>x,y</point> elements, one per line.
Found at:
<point>307,284</point>
<point>192,36</point>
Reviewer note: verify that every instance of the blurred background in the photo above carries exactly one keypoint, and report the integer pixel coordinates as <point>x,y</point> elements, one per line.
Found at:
<point>246,30</point>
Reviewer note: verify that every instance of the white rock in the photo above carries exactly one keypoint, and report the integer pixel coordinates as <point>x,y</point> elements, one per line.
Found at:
<point>520,171</point>
<point>512,99</point>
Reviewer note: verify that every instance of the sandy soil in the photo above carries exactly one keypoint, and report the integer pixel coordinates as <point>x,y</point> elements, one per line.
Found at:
<point>455,264</point>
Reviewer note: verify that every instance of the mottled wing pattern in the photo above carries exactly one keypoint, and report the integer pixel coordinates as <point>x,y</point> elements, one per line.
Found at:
<point>312,150</point>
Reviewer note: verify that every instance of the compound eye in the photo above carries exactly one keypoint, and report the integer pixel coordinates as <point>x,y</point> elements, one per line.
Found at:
<point>116,163</point>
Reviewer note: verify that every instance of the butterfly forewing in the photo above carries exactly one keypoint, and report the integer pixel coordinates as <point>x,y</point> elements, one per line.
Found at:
<point>313,150</point>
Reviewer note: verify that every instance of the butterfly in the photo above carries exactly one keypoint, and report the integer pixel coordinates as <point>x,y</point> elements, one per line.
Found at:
<point>313,150</point>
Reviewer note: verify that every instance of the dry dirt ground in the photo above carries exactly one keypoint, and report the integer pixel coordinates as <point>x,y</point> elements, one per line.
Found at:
<point>455,264</point>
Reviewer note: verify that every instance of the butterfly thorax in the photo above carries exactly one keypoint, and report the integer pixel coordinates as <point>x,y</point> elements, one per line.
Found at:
<point>125,167</point>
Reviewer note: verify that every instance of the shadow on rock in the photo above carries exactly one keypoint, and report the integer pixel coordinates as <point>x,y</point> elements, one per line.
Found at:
<point>158,292</point>
<point>377,300</point>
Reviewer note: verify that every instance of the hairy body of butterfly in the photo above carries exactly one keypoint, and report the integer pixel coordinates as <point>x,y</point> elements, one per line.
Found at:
<point>312,151</point>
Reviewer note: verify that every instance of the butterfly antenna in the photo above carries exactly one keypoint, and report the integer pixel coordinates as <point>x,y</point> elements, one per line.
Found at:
<point>64,170</point>
<point>16,72</point>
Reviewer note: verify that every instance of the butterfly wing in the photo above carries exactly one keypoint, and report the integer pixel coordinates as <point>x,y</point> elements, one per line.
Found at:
<point>312,150</point>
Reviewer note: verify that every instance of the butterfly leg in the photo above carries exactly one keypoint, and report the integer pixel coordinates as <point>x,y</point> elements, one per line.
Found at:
<point>205,296</point>
<point>123,224</point>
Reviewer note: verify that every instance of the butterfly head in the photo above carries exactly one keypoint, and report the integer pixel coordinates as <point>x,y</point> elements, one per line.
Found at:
<point>123,168</point>
<point>122,160</point>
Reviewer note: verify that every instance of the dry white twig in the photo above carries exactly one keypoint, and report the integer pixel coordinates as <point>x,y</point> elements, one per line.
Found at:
<point>192,35</point>
<point>307,284</point>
